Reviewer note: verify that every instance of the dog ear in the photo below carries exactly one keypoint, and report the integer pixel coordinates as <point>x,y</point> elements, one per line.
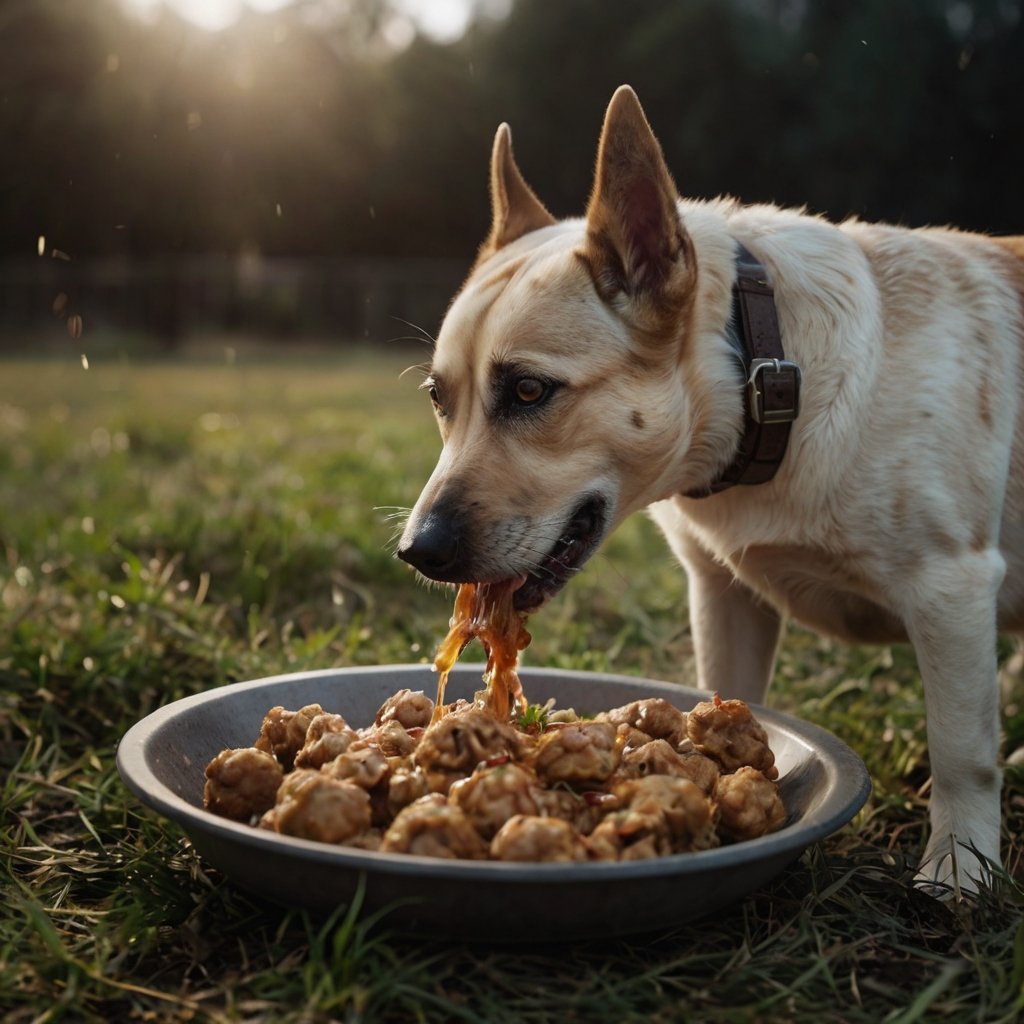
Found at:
<point>515,209</point>
<point>636,243</point>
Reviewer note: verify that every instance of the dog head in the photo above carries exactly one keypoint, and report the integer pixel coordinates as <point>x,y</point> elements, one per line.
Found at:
<point>562,379</point>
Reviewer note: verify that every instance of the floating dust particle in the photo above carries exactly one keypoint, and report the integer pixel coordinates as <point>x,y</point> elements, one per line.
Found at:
<point>85,361</point>
<point>41,245</point>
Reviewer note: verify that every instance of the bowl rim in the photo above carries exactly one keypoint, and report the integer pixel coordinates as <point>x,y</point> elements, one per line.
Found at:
<point>847,778</point>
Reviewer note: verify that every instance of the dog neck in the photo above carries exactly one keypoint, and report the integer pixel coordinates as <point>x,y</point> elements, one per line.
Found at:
<point>771,395</point>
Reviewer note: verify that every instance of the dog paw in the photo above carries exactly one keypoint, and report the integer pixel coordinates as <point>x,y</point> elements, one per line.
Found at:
<point>953,870</point>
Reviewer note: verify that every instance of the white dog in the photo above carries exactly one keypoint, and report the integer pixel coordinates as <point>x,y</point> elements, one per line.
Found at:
<point>593,367</point>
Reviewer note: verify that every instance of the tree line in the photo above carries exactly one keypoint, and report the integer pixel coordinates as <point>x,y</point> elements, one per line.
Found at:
<point>298,134</point>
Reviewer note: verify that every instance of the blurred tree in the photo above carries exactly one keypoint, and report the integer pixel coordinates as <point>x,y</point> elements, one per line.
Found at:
<point>298,132</point>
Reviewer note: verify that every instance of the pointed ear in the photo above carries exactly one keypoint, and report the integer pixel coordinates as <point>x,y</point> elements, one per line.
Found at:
<point>515,209</point>
<point>636,243</point>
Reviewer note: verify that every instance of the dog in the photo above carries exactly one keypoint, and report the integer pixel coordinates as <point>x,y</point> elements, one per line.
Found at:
<point>589,368</point>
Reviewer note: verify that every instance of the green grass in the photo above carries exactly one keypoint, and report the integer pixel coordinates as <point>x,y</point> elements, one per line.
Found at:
<point>168,527</point>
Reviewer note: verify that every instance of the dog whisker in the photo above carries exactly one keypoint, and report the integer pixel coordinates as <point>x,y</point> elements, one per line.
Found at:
<point>423,369</point>
<point>421,335</point>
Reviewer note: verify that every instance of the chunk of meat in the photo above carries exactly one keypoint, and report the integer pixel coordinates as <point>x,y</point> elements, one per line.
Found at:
<point>391,738</point>
<point>659,757</point>
<point>654,716</point>
<point>658,815</point>
<point>283,733</point>
<point>459,742</point>
<point>411,709</point>
<point>432,827</point>
<point>526,837</point>
<point>492,795</point>
<point>579,753</point>
<point>406,784</point>
<point>365,767</point>
<point>313,805</point>
<point>727,731</point>
<point>326,737</point>
<point>688,813</point>
<point>748,804</point>
<point>242,783</point>
<point>582,810</point>
<point>630,835</point>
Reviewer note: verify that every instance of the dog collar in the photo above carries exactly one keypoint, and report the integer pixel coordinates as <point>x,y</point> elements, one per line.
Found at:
<point>771,396</point>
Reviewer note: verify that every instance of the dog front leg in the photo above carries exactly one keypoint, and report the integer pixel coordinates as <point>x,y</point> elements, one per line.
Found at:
<point>735,633</point>
<point>954,634</point>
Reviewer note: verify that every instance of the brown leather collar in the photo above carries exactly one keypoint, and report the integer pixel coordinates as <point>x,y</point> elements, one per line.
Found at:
<point>772,393</point>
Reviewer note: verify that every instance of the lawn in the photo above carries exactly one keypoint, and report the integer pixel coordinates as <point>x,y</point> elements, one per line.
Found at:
<point>166,527</point>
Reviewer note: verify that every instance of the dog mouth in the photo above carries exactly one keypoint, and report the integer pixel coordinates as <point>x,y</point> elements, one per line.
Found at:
<point>580,537</point>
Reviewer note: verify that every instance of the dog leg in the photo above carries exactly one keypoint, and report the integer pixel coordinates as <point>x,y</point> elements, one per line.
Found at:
<point>735,633</point>
<point>953,628</point>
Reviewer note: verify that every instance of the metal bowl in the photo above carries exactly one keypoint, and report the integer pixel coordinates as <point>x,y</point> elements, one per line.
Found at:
<point>161,759</point>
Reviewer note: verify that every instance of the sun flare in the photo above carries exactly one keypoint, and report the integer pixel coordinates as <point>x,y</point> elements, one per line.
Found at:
<point>212,15</point>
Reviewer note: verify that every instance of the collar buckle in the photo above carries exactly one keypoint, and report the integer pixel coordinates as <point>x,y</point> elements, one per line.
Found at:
<point>773,390</point>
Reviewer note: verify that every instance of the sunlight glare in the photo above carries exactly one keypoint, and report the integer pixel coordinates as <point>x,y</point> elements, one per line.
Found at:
<point>442,20</point>
<point>212,15</point>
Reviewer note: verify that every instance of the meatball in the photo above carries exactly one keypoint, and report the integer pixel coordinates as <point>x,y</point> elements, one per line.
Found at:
<point>432,827</point>
<point>410,709</point>
<point>688,814</point>
<point>313,805</point>
<point>654,716</point>
<point>583,752</point>
<point>327,736</point>
<point>365,767</point>
<point>659,757</point>
<point>630,835</point>
<point>582,810</point>
<point>406,784</point>
<point>241,784</point>
<point>391,737</point>
<point>700,769</point>
<point>459,742</point>
<point>748,804</point>
<point>728,732</point>
<point>283,733</point>
<point>490,796</point>
<point>526,837</point>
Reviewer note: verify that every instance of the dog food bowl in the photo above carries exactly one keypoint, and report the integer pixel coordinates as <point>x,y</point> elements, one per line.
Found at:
<point>162,758</point>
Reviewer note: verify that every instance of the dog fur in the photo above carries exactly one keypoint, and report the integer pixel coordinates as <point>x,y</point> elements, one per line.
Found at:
<point>583,373</point>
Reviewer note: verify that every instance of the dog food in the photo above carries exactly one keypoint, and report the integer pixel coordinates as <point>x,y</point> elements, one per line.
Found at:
<point>496,778</point>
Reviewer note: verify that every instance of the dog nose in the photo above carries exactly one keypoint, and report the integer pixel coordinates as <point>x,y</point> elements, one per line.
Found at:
<point>433,548</point>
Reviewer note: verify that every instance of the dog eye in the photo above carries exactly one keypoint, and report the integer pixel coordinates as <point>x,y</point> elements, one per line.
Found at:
<point>529,390</point>
<point>432,389</point>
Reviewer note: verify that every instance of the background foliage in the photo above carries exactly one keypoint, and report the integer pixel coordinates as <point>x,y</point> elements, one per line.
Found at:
<point>301,132</point>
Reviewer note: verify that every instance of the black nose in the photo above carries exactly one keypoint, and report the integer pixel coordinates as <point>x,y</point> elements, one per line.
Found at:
<point>433,547</point>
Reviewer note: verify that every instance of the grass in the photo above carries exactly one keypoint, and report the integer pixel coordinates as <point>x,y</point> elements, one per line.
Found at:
<point>168,527</point>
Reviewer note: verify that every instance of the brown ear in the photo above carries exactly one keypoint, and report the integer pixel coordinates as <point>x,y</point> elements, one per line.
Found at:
<point>636,243</point>
<point>515,209</point>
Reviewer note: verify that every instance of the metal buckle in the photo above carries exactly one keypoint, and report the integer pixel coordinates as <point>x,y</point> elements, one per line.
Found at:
<point>764,373</point>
